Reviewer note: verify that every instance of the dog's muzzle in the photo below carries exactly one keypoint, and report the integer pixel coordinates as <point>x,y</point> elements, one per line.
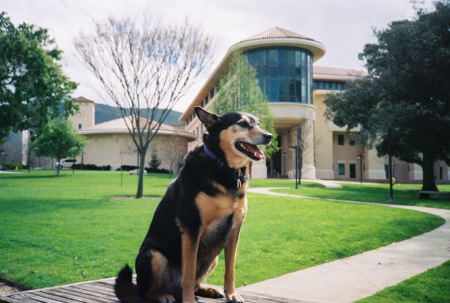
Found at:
<point>251,150</point>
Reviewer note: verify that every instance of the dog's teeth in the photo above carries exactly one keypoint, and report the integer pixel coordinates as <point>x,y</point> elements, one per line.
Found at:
<point>255,154</point>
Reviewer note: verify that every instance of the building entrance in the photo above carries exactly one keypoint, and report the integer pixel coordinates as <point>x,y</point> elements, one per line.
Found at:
<point>275,163</point>
<point>352,171</point>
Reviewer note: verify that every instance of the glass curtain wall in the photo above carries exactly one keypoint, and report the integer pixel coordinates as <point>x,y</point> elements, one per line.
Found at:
<point>284,73</point>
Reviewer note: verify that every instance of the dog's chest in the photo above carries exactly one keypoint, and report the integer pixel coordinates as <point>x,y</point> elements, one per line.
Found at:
<point>220,212</point>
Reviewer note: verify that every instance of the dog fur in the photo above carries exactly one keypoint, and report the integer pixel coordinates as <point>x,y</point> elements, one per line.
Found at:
<point>199,216</point>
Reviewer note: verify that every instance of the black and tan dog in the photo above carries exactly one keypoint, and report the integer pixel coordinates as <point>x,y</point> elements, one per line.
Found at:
<point>200,214</point>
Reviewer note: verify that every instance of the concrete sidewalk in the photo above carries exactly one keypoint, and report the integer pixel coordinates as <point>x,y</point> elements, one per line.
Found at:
<point>353,278</point>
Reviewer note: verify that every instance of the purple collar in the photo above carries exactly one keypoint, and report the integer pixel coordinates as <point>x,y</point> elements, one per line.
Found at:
<point>219,162</point>
<point>214,157</point>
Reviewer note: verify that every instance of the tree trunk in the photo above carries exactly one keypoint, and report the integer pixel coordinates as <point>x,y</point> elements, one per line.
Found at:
<point>429,182</point>
<point>140,189</point>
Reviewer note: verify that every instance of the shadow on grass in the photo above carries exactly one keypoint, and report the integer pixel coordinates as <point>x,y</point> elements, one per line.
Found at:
<point>30,176</point>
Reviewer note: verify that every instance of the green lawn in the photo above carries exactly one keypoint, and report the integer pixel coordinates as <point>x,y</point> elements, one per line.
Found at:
<point>432,286</point>
<point>404,194</point>
<point>60,230</point>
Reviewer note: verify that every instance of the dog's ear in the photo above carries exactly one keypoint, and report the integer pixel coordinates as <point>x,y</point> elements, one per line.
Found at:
<point>207,118</point>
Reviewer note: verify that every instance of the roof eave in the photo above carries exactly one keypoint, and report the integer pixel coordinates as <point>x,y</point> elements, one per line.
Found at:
<point>317,48</point>
<point>125,131</point>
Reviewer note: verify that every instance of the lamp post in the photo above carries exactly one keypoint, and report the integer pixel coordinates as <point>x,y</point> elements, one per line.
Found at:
<point>360,168</point>
<point>284,163</point>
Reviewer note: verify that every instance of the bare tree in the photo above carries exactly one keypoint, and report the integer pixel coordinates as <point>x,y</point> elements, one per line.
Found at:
<point>174,152</point>
<point>145,68</point>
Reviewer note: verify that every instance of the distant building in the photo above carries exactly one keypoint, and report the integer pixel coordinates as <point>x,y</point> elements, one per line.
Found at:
<point>111,144</point>
<point>296,90</point>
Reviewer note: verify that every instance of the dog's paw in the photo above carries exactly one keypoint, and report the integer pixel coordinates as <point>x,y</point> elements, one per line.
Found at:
<point>234,298</point>
<point>166,298</point>
<point>208,292</point>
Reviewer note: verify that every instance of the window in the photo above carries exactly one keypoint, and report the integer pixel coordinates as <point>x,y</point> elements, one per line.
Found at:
<point>328,85</point>
<point>340,139</point>
<point>80,126</point>
<point>341,169</point>
<point>283,73</point>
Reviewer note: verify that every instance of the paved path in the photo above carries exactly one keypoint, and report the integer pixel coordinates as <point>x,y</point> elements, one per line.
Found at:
<point>353,278</point>
<point>327,183</point>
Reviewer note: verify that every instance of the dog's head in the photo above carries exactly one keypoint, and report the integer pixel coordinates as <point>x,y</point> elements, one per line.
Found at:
<point>234,136</point>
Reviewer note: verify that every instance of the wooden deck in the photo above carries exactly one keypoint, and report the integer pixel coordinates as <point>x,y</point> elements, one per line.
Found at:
<point>102,291</point>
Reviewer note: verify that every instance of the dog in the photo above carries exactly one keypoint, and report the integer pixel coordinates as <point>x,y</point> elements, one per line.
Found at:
<point>199,216</point>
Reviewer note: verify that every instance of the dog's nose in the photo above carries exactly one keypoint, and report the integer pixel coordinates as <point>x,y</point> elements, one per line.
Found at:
<point>268,137</point>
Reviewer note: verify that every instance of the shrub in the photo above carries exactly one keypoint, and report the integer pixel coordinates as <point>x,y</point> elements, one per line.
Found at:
<point>127,167</point>
<point>14,165</point>
<point>92,167</point>
<point>157,170</point>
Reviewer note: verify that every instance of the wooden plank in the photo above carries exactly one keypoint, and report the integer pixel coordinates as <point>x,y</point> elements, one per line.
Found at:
<point>69,296</point>
<point>84,295</point>
<point>103,285</point>
<point>16,298</point>
<point>99,289</point>
<point>107,295</point>
<point>102,291</point>
<point>37,297</point>
<point>51,296</point>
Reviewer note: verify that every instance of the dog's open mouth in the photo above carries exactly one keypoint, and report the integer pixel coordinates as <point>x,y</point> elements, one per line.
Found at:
<point>250,150</point>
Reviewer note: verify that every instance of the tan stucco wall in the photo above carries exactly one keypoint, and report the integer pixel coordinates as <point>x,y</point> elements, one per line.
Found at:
<point>85,116</point>
<point>323,140</point>
<point>346,154</point>
<point>114,149</point>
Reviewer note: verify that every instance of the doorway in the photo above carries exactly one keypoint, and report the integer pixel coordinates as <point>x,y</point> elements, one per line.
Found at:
<point>352,171</point>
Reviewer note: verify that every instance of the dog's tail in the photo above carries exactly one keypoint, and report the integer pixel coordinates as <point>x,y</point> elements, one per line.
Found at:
<point>124,288</point>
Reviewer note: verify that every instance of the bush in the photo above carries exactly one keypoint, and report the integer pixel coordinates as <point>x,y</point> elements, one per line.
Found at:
<point>92,167</point>
<point>127,167</point>
<point>157,170</point>
<point>148,169</point>
<point>14,165</point>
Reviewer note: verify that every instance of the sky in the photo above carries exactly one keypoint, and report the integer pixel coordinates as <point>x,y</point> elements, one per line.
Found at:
<point>342,26</point>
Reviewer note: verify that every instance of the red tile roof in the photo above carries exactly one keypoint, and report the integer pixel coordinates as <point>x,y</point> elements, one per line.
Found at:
<point>118,125</point>
<point>329,73</point>
<point>82,99</point>
<point>276,32</point>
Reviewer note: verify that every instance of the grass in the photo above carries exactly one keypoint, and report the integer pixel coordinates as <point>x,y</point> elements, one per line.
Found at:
<point>404,194</point>
<point>432,286</point>
<point>68,229</point>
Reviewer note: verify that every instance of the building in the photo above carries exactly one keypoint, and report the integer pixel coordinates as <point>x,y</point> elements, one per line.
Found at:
<point>296,88</point>
<point>111,144</point>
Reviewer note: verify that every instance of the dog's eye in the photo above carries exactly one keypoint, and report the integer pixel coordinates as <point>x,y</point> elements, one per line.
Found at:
<point>243,124</point>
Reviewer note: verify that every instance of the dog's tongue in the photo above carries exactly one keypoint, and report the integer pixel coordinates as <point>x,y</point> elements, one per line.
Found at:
<point>256,151</point>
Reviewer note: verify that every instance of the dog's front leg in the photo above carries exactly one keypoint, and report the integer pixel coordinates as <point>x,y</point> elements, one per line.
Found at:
<point>189,266</point>
<point>230,261</point>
